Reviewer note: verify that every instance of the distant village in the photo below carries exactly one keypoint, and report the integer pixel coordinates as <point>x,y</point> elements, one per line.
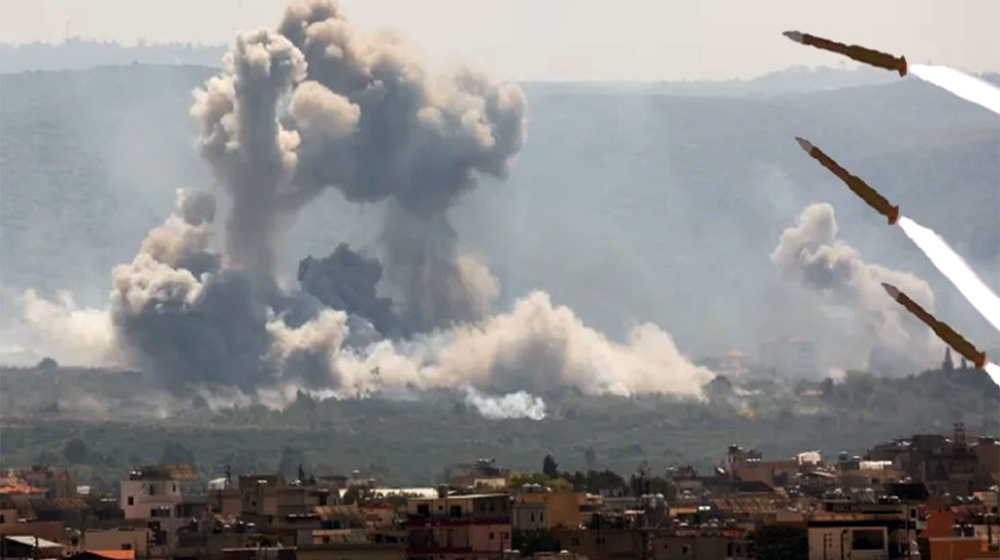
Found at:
<point>929,496</point>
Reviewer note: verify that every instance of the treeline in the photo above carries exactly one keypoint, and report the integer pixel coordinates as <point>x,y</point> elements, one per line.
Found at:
<point>639,482</point>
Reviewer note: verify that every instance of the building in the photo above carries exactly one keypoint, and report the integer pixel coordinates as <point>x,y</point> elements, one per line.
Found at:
<point>268,500</point>
<point>538,508</point>
<point>946,465</point>
<point>459,527</point>
<point>155,493</point>
<point>134,539</point>
<point>483,474</point>
<point>733,365</point>
<point>23,546</point>
<point>862,531</point>
<point>58,483</point>
<point>750,466</point>
<point>788,357</point>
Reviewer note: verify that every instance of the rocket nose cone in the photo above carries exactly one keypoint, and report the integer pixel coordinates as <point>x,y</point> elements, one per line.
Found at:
<point>893,292</point>
<point>793,35</point>
<point>805,144</point>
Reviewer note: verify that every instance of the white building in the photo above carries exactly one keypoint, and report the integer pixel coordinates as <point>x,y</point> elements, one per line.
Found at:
<point>788,357</point>
<point>733,365</point>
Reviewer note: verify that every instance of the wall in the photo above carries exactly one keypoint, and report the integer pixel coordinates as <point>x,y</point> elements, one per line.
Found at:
<point>827,543</point>
<point>135,539</point>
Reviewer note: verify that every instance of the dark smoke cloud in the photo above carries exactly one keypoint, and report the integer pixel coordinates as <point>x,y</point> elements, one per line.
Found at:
<point>347,281</point>
<point>810,254</point>
<point>182,328</point>
<point>438,286</point>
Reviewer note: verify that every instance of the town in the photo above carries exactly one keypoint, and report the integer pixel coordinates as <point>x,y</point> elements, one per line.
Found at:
<point>928,496</point>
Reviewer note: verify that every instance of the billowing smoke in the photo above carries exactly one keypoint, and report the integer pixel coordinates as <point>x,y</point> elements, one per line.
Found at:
<point>810,254</point>
<point>317,104</point>
<point>347,280</point>
<point>513,405</point>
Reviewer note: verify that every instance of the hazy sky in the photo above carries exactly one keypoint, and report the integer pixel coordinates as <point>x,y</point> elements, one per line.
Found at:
<point>570,39</point>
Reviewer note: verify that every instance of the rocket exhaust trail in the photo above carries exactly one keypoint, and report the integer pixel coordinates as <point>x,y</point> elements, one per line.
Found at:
<point>954,269</point>
<point>937,250</point>
<point>969,88</point>
<point>993,371</point>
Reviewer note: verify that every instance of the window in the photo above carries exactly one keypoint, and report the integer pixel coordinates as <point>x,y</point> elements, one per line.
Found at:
<point>131,501</point>
<point>423,509</point>
<point>532,517</point>
<point>152,489</point>
<point>867,539</point>
<point>600,540</point>
<point>491,536</point>
<point>456,511</point>
<point>576,541</point>
<point>541,517</point>
<point>685,549</point>
<point>174,488</point>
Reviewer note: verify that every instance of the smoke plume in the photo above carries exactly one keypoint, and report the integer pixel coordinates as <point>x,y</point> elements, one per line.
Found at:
<point>810,254</point>
<point>317,104</point>
<point>513,405</point>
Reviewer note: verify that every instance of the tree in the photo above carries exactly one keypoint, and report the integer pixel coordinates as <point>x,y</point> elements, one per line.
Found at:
<point>291,458</point>
<point>549,467</point>
<point>516,481</point>
<point>76,451</point>
<point>948,366</point>
<point>590,457</point>
<point>175,453</point>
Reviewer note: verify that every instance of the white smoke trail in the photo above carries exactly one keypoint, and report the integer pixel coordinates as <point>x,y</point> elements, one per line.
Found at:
<point>955,269</point>
<point>993,371</point>
<point>959,83</point>
<point>512,405</point>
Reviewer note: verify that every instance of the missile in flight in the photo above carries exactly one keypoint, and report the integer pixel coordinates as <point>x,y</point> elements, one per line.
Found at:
<point>854,52</point>
<point>946,333</point>
<point>858,186</point>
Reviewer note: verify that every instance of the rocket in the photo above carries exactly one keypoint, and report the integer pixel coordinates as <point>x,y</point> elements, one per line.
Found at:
<point>855,52</point>
<point>946,333</point>
<point>858,186</point>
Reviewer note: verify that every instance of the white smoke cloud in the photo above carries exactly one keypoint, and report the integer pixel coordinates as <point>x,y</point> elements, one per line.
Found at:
<point>70,333</point>
<point>510,406</point>
<point>810,254</point>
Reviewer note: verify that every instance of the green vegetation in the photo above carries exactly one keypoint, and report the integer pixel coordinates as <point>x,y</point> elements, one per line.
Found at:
<point>411,441</point>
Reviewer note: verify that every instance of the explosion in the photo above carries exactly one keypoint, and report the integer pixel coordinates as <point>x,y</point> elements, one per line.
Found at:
<point>318,104</point>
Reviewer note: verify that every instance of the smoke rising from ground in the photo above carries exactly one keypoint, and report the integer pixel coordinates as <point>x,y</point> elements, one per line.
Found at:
<point>318,104</point>
<point>810,254</point>
<point>513,405</point>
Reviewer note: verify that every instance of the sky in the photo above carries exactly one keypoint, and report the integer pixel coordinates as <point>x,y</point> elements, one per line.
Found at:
<point>569,39</point>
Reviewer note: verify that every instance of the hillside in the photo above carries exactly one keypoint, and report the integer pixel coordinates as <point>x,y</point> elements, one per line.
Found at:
<point>411,440</point>
<point>659,206</point>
